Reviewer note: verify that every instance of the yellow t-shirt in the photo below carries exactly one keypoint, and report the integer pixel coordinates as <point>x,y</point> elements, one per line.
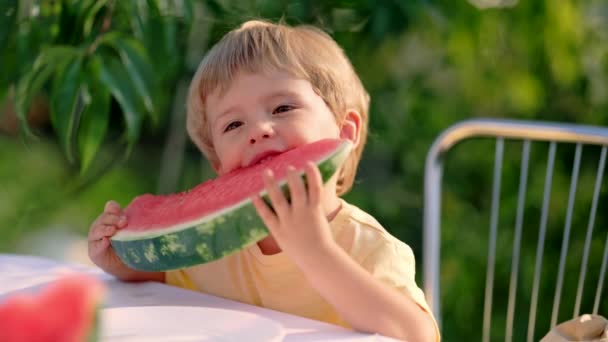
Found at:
<point>271,281</point>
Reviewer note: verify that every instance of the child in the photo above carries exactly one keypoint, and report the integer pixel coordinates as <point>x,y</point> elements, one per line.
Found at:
<point>264,89</point>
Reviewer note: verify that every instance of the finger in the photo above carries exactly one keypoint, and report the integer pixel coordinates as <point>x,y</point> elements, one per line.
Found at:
<point>315,183</point>
<point>296,188</point>
<point>112,207</point>
<point>102,244</point>
<point>122,222</point>
<point>112,219</point>
<point>98,247</point>
<point>100,232</point>
<point>277,199</point>
<point>266,214</point>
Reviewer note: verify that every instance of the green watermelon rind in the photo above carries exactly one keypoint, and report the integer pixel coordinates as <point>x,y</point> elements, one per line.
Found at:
<point>211,238</point>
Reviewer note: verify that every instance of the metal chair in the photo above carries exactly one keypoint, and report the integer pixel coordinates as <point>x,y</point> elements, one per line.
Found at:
<point>552,136</point>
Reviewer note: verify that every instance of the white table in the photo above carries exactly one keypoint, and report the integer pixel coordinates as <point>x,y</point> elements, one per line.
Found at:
<point>158,308</point>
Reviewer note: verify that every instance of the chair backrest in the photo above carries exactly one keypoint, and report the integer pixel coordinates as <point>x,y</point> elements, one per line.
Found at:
<point>563,279</point>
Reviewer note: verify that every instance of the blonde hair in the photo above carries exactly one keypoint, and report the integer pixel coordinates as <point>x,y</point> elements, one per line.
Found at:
<point>304,52</point>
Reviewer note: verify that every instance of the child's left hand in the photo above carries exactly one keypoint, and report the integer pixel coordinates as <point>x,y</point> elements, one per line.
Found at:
<point>300,227</point>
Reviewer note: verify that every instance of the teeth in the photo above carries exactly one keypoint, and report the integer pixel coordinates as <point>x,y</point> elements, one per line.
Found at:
<point>263,160</point>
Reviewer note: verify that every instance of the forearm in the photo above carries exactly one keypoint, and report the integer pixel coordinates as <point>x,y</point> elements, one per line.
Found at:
<point>364,302</point>
<point>125,273</point>
<point>136,276</point>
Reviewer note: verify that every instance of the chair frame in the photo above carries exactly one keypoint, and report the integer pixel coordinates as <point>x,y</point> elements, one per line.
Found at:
<point>525,131</point>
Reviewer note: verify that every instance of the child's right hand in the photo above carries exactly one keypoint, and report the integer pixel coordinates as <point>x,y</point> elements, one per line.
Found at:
<point>101,252</point>
<point>103,228</point>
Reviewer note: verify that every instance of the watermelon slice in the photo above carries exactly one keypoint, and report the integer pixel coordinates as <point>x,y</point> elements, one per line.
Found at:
<point>214,219</point>
<point>65,310</point>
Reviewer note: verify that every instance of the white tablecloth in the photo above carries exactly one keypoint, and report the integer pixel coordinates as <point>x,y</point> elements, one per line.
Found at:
<point>168,313</point>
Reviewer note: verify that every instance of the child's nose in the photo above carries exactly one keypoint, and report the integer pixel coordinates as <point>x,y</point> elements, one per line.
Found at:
<point>260,132</point>
<point>253,140</point>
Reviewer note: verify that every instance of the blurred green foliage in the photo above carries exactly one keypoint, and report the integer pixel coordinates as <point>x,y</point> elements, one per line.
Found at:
<point>112,76</point>
<point>85,54</point>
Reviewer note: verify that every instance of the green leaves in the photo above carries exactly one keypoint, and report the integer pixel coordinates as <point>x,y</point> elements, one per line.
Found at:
<point>8,17</point>
<point>45,65</point>
<point>114,76</point>
<point>92,12</point>
<point>86,55</point>
<point>66,103</point>
<point>94,118</point>
<point>138,67</point>
<point>78,80</point>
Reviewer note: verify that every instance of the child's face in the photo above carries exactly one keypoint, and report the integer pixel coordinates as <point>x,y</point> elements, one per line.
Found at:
<point>263,114</point>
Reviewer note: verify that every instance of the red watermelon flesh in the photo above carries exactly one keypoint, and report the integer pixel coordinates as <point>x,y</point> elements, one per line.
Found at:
<point>150,212</point>
<point>64,311</point>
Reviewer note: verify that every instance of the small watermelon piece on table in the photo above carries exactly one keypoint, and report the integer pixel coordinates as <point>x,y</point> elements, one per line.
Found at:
<point>65,310</point>
<point>215,218</point>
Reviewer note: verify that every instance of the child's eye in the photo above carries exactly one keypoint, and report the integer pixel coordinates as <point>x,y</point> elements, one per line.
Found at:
<point>282,109</point>
<point>232,125</point>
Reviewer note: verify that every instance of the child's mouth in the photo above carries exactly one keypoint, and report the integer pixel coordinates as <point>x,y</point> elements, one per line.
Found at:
<point>264,157</point>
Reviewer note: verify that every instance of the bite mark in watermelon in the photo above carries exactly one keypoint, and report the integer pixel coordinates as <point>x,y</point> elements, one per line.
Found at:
<point>65,310</point>
<point>215,218</point>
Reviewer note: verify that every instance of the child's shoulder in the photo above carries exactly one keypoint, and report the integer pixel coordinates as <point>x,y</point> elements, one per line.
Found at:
<point>356,222</point>
<point>352,213</point>
<point>366,240</point>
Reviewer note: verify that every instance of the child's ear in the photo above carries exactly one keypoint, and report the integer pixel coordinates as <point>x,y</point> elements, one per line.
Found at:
<point>351,127</point>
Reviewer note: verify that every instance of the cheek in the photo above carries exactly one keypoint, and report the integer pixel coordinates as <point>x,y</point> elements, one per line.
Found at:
<point>329,127</point>
<point>321,125</point>
<point>222,153</point>
<point>226,155</point>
